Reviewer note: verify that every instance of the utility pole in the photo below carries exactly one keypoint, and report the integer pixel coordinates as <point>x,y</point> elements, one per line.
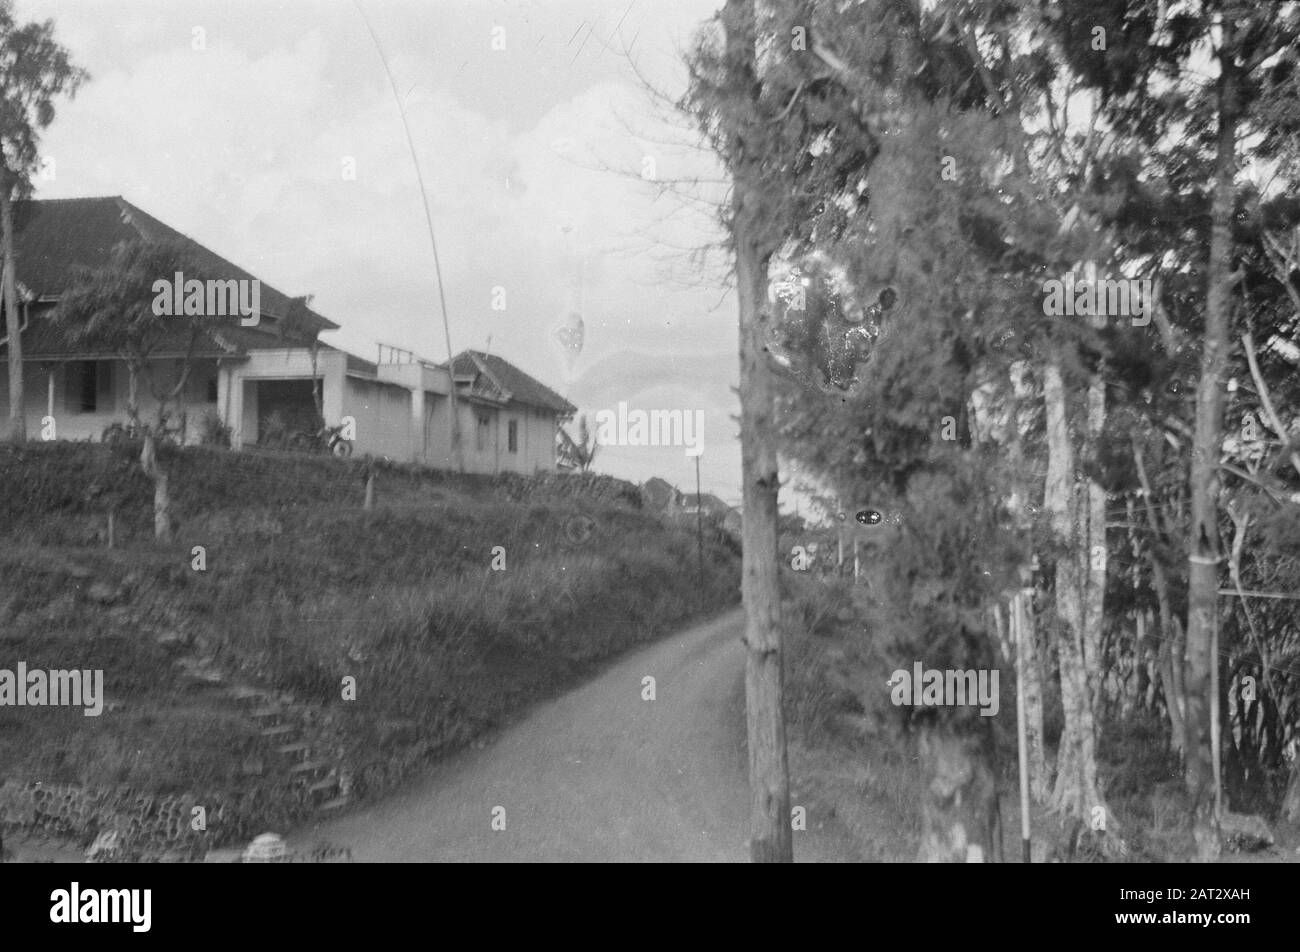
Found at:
<point>699,517</point>
<point>457,448</point>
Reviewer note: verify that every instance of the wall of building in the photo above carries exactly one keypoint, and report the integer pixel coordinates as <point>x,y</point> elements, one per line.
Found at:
<point>237,393</point>
<point>71,422</point>
<point>406,420</point>
<point>436,449</point>
<point>383,415</point>
<point>535,447</point>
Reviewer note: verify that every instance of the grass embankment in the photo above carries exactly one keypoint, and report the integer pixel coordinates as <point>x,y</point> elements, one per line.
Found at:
<point>303,589</point>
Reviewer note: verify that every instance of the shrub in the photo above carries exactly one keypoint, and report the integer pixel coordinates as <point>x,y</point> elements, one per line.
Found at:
<point>212,430</point>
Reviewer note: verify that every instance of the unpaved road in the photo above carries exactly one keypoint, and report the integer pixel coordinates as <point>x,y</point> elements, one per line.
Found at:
<point>596,775</point>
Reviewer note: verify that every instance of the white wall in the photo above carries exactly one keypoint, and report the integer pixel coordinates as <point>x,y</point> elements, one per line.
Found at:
<point>405,419</point>
<point>238,401</point>
<point>72,424</point>
<point>383,415</point>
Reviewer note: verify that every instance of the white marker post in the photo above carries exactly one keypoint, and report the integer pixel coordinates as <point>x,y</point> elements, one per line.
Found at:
<point>1017,626</point>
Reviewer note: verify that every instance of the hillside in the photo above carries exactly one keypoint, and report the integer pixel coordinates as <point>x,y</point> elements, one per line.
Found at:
<point>224,668</point>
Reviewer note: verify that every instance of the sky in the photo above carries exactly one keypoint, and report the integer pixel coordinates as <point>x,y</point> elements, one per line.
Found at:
<point>268,132</point>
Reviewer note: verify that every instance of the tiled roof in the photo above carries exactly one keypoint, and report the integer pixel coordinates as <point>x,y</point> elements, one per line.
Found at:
<point>56,235</point>
<point>42,338</point>
<point>497,378</point>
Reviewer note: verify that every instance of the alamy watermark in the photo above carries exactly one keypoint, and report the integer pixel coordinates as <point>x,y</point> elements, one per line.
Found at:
<point>947,688</point>
<point>77,905</point>
<point>54,688</point>
<point>651,428</point>
<point>1099,298</point>
<point>212,298</point>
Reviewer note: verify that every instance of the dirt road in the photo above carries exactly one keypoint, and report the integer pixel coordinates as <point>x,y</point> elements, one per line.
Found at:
<point>596,775</point>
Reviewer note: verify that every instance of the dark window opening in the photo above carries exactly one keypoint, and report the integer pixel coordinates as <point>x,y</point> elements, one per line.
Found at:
<point>480,436</point>
<point>212,390</point>
<point>88,386</point>
<point>512,436</point>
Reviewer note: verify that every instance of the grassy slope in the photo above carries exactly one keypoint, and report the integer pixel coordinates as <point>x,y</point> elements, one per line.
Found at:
<point>303,589</point>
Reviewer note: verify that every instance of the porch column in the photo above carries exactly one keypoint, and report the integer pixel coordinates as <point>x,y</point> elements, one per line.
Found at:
<point>418,443</point>
<point>333,374</point>
<point>230,400</point>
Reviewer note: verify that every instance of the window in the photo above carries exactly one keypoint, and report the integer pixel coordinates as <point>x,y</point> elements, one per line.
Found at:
<point>89,386</point>
<point>481,432</point>
<point>512,436</point>
<point>212,390</point>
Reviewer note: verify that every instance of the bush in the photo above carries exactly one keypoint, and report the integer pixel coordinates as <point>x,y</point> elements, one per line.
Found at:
<point>212,430</point>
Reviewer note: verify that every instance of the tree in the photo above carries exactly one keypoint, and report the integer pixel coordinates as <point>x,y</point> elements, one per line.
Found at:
<point>1152,87</point>
<point>582,451</point>
<point>744,110</point>
<point>798,130</point>
<point>111,308</point>
<point>770,836</point>
<point>299,327</point>
<point>34,71</point>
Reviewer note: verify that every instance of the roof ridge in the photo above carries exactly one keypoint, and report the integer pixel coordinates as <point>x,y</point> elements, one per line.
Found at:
<point>539,383</point>
<point>73,198</point>
<point>481,359</point>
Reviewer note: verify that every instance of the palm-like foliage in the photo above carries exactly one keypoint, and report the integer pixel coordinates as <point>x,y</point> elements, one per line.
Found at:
<point>111,309</point>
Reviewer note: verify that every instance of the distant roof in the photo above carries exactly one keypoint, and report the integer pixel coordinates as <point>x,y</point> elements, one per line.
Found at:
<point>711,503</point>
<point>658,493</point>
<point>56,235</point>
<point>497,379</point>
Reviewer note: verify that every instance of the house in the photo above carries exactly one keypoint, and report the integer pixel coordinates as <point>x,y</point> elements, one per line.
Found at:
<point>729,517</point>
<point>661,496</point>
<point>509,420</point>
<point>712,505</point>
<point>252,376</point>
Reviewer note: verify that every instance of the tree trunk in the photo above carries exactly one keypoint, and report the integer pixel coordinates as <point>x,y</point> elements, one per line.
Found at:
<point>1030,665</point>
<point>1291,801</point>
<point>1039,776</point>
<point>768,776</point>
<point>1095,553</point>
<point>1076,793</point>
<point>769,782</point>
<point>1204,549</point>
<point>8,286</point>
<point>960,815</point>
<point>1144,669</point>
<point>162,505</point>
<point>1170,660</point>
<point>133,394</point>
